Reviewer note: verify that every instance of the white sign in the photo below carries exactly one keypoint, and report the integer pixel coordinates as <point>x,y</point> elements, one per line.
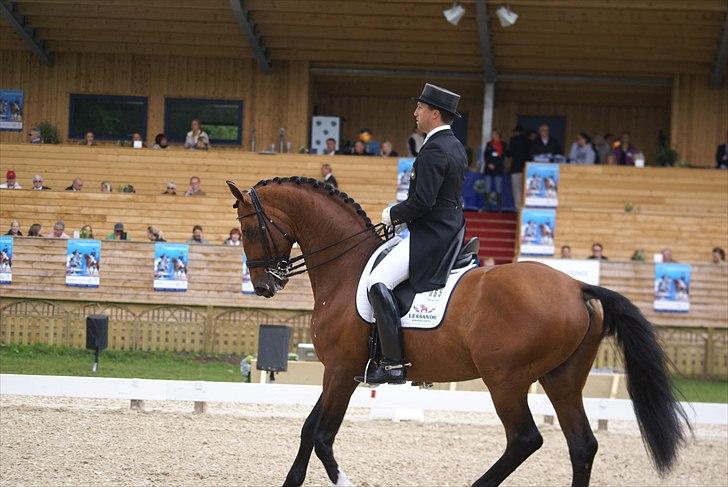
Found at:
<point>583,270</point>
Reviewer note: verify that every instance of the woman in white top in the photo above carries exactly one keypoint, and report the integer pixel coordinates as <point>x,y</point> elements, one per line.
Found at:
<point>582,151</point>
<point>197,134</point>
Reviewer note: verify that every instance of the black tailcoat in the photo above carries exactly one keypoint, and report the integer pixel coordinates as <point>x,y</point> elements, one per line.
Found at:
<point>433,210</point>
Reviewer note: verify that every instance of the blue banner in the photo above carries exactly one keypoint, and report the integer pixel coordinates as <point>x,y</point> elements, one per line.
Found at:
<point>537,231</point>
<point>170,266</point>
<point>247,287</point>
<point>542,185</point>
<point>6,259</point>
<point>672,287</point>
<point>404,173</point>
<point>12,106</point>
<point>83,258</point>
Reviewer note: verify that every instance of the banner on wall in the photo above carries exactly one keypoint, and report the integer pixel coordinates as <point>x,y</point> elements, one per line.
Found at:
<point>404,173</point>
<point>6,259</point>
<point>582,270</point>
<point>11,109</point>
<point>247,287</point>
<point>542,185</point>
<point>83,258</point>
<point>170,266</point>
<point>537,231</point>
<point>672,287</point>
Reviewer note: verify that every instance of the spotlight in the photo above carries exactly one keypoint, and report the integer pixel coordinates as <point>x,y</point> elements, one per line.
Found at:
<point>506,16</point>
<point>454,14</point>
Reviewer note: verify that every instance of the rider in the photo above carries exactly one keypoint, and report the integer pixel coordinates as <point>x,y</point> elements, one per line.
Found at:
<point>434,216</point>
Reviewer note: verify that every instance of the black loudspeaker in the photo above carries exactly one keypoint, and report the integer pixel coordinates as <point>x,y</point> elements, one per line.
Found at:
<point>97,332</point>
<point>273,348</point>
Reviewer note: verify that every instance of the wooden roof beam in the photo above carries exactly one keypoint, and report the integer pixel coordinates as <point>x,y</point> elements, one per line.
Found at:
<point>242,15</point>
<point>17,22</point>
<point>721,60</point>
<point>486,48</point>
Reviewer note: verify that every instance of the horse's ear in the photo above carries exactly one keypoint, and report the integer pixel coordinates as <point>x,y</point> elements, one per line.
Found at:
<point>239,195</point>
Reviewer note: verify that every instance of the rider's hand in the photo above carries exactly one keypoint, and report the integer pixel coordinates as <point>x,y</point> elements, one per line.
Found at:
<point>386,219</point>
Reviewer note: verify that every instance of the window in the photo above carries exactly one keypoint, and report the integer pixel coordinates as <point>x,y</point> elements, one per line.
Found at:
<point>221,119</point>
<point>109,117</point>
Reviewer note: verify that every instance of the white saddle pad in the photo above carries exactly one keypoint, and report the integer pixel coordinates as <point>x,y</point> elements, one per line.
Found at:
<point>427,310</point>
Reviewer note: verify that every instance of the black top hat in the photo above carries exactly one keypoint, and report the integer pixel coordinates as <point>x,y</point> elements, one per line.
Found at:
<point>440,98</point>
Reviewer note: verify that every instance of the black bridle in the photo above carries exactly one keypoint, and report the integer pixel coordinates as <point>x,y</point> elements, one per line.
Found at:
<point>281,266</point>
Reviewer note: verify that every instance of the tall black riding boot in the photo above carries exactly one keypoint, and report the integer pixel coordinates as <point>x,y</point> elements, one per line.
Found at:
<point>386,312</point>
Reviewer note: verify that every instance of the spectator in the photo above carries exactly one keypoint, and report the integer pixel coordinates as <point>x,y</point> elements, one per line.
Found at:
<point>128,188</point>
<point>118,233</point>
<point>387,150</point>
<point>565,252</point>
<point>137,141</point>
<point>234,238</point>
<point>160,141</point>
<point>15,229</point>
<point>58,230</point>
<point>195,188</point>
<point>10,182</point>
<point>597,250</point>
<point>330,149</point>
<point>202,144</point>
<point>519,150</point>
<point>414,144</point>
<point>328,174</point>
<point>86,232</point>
<point>360,149</point>
<point>544,143</point>
<point>195,135</point>
<point>601,148</point>
<point>76,185</point>
<point>34,136</point>
<point>494,157</point>
<point>371,146</point>
<point>35,230</point>
<point>154,234</point>
<point>38,183</point>
<point>197,237</point>
<point>488,262</point>
<point>582,151</point>
<point>89,139</point>
<point>171,188</point>
<point>721,155</point>
<point>625,152</point>
<point>106,187</point>
<point>667,255</point>
<point>718,256</point>
<point>611,160</point>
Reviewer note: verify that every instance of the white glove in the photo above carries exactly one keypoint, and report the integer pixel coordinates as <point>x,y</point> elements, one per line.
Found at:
<point>386,219</point>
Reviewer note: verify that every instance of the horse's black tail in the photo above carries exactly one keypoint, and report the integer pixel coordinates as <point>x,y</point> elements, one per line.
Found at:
<point>648,378</point>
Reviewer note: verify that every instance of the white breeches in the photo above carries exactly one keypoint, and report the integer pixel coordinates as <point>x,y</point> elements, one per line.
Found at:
<point>394,268</point>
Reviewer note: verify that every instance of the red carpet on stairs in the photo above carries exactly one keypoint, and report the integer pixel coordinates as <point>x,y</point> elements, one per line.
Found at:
<point>497,233</point>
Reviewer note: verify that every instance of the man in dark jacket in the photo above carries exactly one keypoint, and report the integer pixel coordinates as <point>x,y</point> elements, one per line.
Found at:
<point>434,216</point>
<point>721,155</point>
<point>519,150</point>
<point>544,143</point>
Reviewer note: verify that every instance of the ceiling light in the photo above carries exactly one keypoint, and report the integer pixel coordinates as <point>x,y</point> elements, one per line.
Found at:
<point>506,16</point>
<point>454,14</point>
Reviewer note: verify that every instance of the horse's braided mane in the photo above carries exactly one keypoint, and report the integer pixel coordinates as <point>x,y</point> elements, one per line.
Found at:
<point>328,188</point>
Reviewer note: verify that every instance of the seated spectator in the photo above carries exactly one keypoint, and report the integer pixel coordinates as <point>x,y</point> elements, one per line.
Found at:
<point>544,144</point>
<point>15,229</point>
<point>35,230</point>
<point>494,156</point>
<point>137,140</point>
<point>330,149</point>
<point>58,230</point>
<point>234,238</point>
<point>625,152</point>
<point>601,148</point>
<point>718,256</point>
<point>160,141</point>
<point>196,134</point>
<point>387,150</point>
<point>10,181</point>
<point>171,188</point>
<point>667,255</point>
<point>89,139</point>
<point>611,160</point>
<point>415,141</point>
<point>38,183</point>
<point>128,188</point>
<point>488,262</point>
<point>106,187</point>
<point>328,174</point>
<point>721,155</point>
<point>197,237</point>
<point>76,185</point>
<point>360,149</point>
<point>195,188</point>
<point>597,250</point>
<point>118,233</point>
<point>34,136</point>
<point>86,232</point>
<point>371,146</point>
<point>565,252</point>
<point>154,234</point>
<point>582,151</point>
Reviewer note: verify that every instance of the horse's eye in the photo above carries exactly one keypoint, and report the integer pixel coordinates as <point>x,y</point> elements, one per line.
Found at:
<point>250,233</point>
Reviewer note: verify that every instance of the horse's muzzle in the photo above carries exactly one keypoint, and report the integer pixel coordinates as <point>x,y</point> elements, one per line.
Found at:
<point>265,290</point>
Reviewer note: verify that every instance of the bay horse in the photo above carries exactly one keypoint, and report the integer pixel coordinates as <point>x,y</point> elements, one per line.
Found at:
<point>511,326</point>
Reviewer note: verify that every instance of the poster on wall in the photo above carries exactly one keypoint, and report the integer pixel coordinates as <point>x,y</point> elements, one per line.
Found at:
<point>537,231</point>
<point>170,266</point>
<point>404,172</point>
<point>580,269</point>
<point>542,185</point>
<point>247,287</point>
<point>83,258</point>
<point>11,109</point>
<point>6,259</point>
<point>672,287</point>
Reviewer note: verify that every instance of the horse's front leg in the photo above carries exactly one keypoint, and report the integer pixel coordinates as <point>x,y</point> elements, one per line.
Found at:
<point>297,473</point>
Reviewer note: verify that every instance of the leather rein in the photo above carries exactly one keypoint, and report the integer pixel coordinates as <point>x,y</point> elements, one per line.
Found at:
<point>282,267</point>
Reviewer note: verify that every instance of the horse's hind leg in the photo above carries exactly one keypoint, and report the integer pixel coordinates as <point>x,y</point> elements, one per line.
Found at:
<point>522,436</point>
<point>297,473</point>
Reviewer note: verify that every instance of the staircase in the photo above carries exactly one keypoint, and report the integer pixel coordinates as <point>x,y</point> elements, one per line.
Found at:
<point>497,233</point>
